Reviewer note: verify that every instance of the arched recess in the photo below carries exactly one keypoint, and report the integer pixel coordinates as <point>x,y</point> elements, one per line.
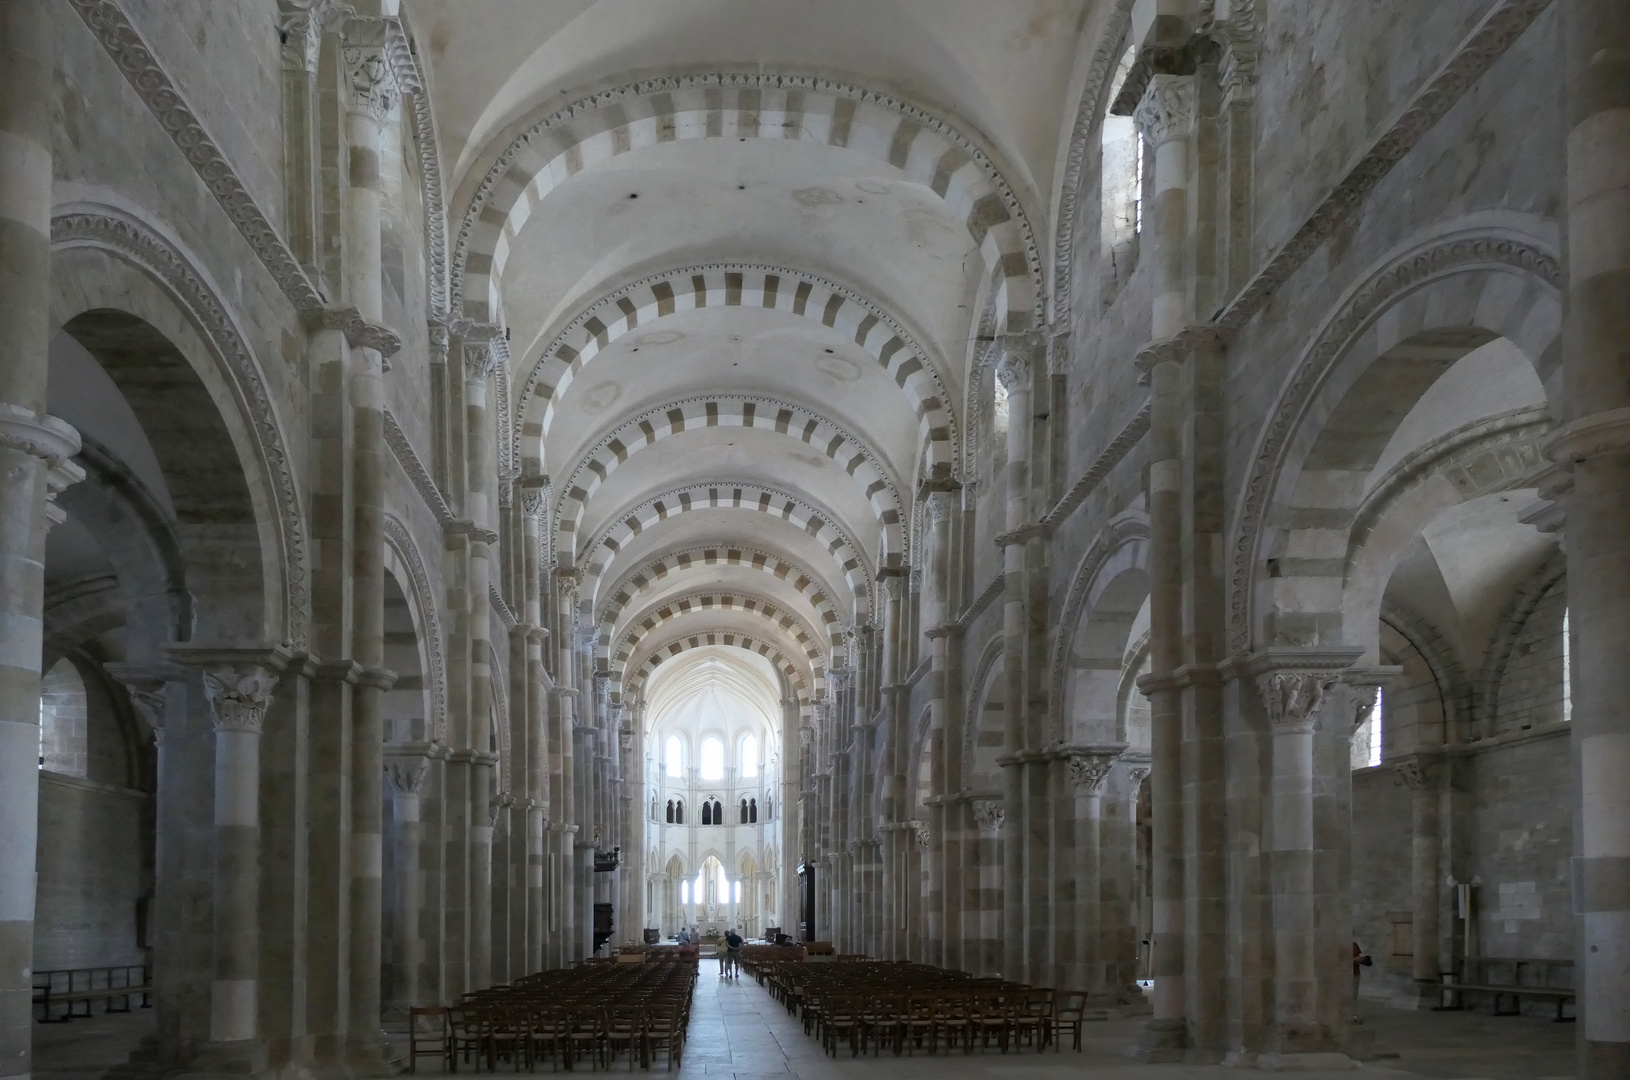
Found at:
<point>677,563</point>
<point>640,666</point>
<point>775,288</point>
<point>733,496</point>
<point>984,730</point>
<point>739,106</point>
<point>402,561</point>
<point>173,295</point>
<point>1381,348</point>
<point>675,418</point>
<point>790,626</point>
<point>1109,586</point>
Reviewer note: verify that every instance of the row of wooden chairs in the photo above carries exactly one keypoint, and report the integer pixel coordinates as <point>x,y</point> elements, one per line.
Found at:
<point>911,1007</point>
<point>586,1014</point>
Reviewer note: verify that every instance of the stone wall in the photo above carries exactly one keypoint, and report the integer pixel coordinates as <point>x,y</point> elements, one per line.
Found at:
<point>1381,882</point>
<point>1521,841</point>
<point>91,873</point>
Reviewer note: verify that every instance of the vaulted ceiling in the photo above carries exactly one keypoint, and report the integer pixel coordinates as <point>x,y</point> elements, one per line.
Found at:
<point>744,249</point>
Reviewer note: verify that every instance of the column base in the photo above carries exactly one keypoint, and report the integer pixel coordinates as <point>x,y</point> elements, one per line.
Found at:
<point>1163,1041</point>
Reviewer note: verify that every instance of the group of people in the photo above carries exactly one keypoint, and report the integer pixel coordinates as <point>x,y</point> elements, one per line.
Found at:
<point>730,960</point>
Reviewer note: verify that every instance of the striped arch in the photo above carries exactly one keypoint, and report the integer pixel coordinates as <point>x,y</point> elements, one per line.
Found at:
<point>755,286</point>
<point>738,106</point>
<point>666,421</point>
<point>634,676</point>
<point>733,496</point>
<point>758,607</point>
<point>651,573</point>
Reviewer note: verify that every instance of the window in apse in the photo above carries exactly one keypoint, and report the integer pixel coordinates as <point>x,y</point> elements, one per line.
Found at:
<point>1366,752</point>
<point>749,756</point>
<point>684,892</point>
<point>738,892</point>
<point>675,755</point>
<point>712,759</point>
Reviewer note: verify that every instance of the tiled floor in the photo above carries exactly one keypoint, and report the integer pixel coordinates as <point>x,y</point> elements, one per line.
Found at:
<point>737,1031</point>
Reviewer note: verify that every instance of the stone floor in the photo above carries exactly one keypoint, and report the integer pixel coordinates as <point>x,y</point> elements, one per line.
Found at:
<point>737,1031</point>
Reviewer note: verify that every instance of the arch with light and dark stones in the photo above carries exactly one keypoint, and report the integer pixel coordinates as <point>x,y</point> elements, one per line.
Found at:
<point>635,675</point>
<point>727,495</point>
<point>727,285</point>
<point>716,556</point>
<point>1398,329</point>
<point>652,426</point>
<point>792,627</point>
<point>739,106</point>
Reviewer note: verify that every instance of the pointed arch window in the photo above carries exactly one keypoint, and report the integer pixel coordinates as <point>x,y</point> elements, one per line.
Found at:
<point>744,811</point>
<point>752,811</point>
<point>712,759</point>
<point>670,811</point>
<point>707,813</point>
<point>679,811</point>
<point>674,757</point>
<point>749,755</point>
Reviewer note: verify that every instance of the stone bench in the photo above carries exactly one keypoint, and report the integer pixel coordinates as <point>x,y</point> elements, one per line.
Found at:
<point>1516,978</point>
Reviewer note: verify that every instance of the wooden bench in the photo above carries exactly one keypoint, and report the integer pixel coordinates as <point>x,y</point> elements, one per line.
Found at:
<point>1516,978</point>
<point>70,987</point>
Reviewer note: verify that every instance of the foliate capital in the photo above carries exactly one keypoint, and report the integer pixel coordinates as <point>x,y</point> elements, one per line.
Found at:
<point>940,504</point>
<point>239,695</point>
<point>481,359</point>
<point>1293,698</point>
<point>406,775</point>
<point>1014,372</point>
<point>1167,109</point>
<point>300,27</point>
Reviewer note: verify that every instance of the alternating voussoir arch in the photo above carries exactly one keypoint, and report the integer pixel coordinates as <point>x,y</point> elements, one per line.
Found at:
<point>670,565</point>
<point>747,285</point>
<point>633,679</point>
<point>1490,253</point>
<point>784,623</point>
<point>647,428</point>
<point>746,105</point>
<point>730,495</point>
<point>116,233</point>
<point>1122,544</point>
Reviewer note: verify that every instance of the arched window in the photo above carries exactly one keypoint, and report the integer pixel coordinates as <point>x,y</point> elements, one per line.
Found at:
<point>712,759</point>
<point>679,811</point>
<point>707,813</point>
<point>752,811</point>
<point>675,757</point>
<point>653,808</point>
<point>769,808</point>
<point>737,887</point>
<point>1366,744</point>
<point>64,746</point>
<point>749,756</point>
<point>684,891</point>
<point>670,811</point>
<point>744,811</point>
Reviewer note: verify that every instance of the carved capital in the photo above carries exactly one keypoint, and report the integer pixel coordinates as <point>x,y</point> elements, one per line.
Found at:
<point>532,502</point>
<point>988,815</point>
<point>239,695</point>
<point>300,28</point>
<point>1087,772</point>
<point>45,437</point>
<point>368,73</point>
<point>406,775</point>
<point>149,689</point>
<point>1360,700</point>
<point>1420,774</point>
<point>1135,776</point>
<point>924,837</point>
<point>1167,108</point>
<point>481,360</point>
<point>940,504</point>
<point>1293,698</point>
<point>1014,372</point>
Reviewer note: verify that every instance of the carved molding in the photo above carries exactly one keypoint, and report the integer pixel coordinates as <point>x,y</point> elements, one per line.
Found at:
<point>1486,44</point>
<point>111,231</point>
<point>1111,456</point>
<point>1089,114</point>
<point>1456,253</point>
<point>401,449</point>
<point>107,21</point>
<point>46,437</point>
<point>808,84</point>
<point>396,535</point>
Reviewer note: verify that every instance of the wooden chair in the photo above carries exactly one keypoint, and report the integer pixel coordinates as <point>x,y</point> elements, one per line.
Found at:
<point>625,1030</point>
<point>1032,1015</point>
<point>665,1033</point>
<point>841,1015</point>
<point>466,1034</point>
<point>1069,1014</point>
<point>586,1031</point>
<point>430,1033</point>
<point>917,1022</point>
